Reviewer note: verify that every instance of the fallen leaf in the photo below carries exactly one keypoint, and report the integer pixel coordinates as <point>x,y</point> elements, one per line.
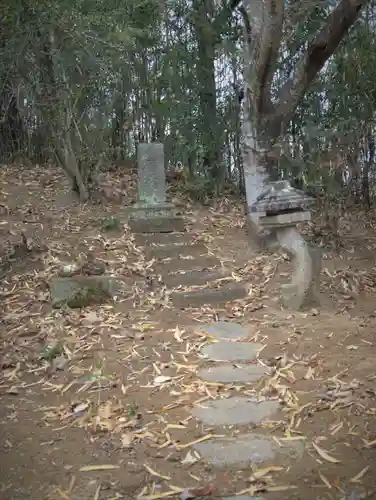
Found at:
<point>189,459</point>
<point>324,480</point>
<point>161,379</point>
<point>280,488</point>
<point>356,479</point>
<point>89,468</point>
<point>127,439</point>
<point>259,473</point>
<point>177,334</point>
<point>155,473</point>
<point>325,455</point>
<point>310,374</point>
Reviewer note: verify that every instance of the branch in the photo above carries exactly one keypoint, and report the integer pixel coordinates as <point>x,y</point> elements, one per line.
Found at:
<point>266,22</point>
<point>318,52</point>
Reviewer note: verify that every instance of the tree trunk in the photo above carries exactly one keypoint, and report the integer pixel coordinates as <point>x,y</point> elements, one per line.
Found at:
<point>263,23</point>
<point>205,72</point>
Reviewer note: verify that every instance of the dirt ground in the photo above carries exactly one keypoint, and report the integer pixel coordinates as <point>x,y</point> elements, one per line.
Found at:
<point>108,417</point>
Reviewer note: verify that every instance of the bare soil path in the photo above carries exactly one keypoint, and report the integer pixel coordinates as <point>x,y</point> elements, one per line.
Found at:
<point>109,416</point>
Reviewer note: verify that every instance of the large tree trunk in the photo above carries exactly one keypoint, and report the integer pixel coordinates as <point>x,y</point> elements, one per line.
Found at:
<point>263,22</point>
<point>205,72</point>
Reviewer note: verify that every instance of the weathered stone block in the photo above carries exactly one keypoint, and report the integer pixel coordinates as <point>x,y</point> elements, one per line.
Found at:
<point>208,296</point>
<point>82,291</point>
<point>175,265</point>
<point>228,373</point>
<point>246,449</point>
<point>224,330</point>
<point>235,411</point>
<point>157,225</point>
<point>174,251</point>
<point>163,239</point>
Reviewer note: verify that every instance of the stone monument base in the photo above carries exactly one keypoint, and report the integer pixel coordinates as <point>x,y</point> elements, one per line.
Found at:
<point>147,211</point>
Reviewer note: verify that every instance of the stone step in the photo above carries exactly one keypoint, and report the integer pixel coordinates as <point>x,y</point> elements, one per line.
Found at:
<point>228,373</point>
<point>175,251</point>
<point>247,449</point>
<point>224,330</point>
<point>163,239</point>
<point>157,225</point>
<point>235,411</point>
<point>174,265</point>
<point>231,351</point>
<point>192,278</point>
<point>208,296</point>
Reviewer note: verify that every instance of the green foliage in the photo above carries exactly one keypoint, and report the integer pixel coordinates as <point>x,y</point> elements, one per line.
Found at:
<point>99,76</point>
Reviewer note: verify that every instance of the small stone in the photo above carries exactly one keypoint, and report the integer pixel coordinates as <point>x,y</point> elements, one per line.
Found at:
<point>246,449</point>
<point>229,373</point>
<point>68,270</point>
<point>59,363</point>
<point>235,411</point>
<point>231,351</point>
<point>224,330</point>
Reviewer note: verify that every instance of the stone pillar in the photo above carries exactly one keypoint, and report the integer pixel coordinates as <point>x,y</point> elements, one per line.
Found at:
<point>151,184</point>
<point>304,289</point>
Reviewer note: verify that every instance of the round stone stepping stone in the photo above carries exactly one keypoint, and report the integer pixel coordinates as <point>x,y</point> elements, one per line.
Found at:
<point>229,374</point>
<point>246,449</point>
<point>234,411</point>
<point>231,351</point>
<point>224,330</point>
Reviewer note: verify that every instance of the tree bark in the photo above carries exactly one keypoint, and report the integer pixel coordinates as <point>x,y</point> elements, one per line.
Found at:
<point>263,22</point>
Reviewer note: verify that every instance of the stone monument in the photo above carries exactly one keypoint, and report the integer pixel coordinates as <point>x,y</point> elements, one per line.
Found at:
<point>152,213</point>
<point>279,209</point>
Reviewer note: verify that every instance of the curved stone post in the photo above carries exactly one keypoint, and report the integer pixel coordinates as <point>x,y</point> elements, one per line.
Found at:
<point>305,282</point>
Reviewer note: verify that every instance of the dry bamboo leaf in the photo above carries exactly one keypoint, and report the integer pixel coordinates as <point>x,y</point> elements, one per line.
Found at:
<point>280,488</point>
<point>259,473</point>
<point>177,334</point>
<point>200,440</point>
<point>155,473</point>
<point>156,496</point>
<point>90,468</point>
<point>369,444</point>
<point>324,455</point>
<point>358,477</point>
<point>325,480</point>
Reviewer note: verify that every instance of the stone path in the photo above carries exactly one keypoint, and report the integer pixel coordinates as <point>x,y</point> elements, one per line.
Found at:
<point>243,448</point>
<point>228,357</point>
<point>184,266</point>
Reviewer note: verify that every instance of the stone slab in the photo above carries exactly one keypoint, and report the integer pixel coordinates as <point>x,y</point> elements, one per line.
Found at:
<point>231,351</point>
<point>214,296</point>
<point>289,219</point>
<point>192,278</point>
<point>175,265</point>
<point>145,211</point>
<point>163,239</point>
<point>81,291</point>
<point>247,449</point>
<point>151,173</point>
<point>235,411</point>
<point>157,225</point>
<point>166,251</point>
<point>228,373</point>
<point>224,330</point>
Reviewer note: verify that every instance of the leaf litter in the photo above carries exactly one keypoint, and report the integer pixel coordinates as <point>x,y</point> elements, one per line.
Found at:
<point>89,384</point>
